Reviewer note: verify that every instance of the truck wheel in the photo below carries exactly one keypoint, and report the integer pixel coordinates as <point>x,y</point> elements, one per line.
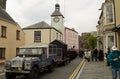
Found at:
<point>10,75</point>
<point>64,62</point>
<point>34,73</point>
<point>51,67</point>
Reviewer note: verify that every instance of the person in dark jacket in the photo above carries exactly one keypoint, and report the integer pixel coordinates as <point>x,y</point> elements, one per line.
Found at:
<point>108,52</point>
<point>101,55</point>
<point>95,54</point>
<point>114,59</point>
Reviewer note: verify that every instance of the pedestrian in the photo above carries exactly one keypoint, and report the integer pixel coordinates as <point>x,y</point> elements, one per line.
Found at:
<point>108,52</point>
<point>101,55</point>
<point>92,56</point>
<point>81,54</point>
<point>114,59</point>
<point>87,55</point>
<point>95,54</point>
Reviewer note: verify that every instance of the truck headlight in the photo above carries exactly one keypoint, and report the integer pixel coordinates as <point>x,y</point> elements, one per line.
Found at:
<point>7,65</point>
<point>27,66</point>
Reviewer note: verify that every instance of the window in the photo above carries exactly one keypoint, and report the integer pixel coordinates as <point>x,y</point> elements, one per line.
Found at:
<point>17,51</point>
<point>2,53</point>
<point>56,35</point>
<point>3,31</point>
<point>60,37</point>
<point>17,35</point>
<point>110,40</point>
<point>109,17</point>
<point>37,36</point>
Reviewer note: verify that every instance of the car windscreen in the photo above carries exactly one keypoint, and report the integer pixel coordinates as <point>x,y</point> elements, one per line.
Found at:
<point>31,51</point>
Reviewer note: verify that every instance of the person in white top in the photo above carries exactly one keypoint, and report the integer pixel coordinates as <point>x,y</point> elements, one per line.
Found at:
<point>88,55</point>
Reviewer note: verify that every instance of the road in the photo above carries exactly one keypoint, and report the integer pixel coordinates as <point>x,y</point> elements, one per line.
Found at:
<point>62,72</point>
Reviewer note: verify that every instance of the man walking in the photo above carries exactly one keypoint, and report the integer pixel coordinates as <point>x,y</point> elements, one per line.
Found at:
<point>95,54</point>
<point>114,59</point>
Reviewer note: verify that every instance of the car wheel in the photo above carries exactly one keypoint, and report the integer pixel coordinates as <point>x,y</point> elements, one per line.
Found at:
<point>10,75</point>
<point>34,73</point>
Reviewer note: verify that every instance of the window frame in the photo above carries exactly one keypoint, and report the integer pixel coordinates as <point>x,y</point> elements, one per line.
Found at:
<point>2,53</point>
<point>3,31</point>
<point>17,34</point>
<point>36,36</point>
<point>105,13</point>
<point>57,36</point>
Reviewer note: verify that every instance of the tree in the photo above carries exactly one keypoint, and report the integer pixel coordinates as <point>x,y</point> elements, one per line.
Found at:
<point>92,42</point>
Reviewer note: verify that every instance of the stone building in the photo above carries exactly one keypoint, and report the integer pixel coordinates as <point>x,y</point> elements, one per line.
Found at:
<point>41,33</point>
<point>11,36</point>
<point>108,24</point>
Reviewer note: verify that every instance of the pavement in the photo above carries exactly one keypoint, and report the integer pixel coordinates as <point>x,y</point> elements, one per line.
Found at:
<point>95,70</point>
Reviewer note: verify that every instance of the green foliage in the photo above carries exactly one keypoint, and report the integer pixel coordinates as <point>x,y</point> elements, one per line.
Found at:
<point>92,42</point>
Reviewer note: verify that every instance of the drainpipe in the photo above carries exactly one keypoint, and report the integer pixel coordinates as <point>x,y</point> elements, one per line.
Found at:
<point>115,22</point>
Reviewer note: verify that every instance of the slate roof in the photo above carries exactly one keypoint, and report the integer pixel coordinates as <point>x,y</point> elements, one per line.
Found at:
<point>5,16</point>
<point>39,25</point>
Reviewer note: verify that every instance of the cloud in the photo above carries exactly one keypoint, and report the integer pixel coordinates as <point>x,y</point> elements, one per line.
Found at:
<point>80,14</point>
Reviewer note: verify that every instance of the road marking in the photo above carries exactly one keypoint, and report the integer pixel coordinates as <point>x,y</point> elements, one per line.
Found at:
<point>74,74</point>
<point>80,71</point>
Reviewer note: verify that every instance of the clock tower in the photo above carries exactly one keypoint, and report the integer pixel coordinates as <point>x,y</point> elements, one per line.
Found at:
<point>57,19</point>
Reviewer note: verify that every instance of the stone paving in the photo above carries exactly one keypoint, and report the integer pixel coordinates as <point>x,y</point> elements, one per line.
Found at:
<point>96,70</point>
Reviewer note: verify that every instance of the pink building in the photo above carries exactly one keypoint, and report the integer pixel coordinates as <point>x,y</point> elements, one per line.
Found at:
<point>71,38</point>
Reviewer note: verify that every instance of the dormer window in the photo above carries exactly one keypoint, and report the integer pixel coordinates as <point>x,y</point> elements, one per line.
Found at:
<point>109,13</point>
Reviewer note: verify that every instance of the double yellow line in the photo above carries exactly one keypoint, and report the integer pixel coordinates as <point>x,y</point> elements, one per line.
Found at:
<point>74,74</point>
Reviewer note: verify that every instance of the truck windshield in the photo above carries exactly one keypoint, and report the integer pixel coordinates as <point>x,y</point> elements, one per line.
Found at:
<point>30,51</point>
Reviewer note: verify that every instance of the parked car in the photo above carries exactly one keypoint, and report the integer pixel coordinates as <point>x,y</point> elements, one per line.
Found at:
<point>30,60</point>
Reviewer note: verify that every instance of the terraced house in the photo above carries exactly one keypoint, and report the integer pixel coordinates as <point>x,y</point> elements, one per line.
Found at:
<point>11,35</point>
<point>108,25</point>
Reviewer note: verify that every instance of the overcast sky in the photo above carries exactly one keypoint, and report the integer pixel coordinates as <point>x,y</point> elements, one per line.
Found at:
<point>82,15</point>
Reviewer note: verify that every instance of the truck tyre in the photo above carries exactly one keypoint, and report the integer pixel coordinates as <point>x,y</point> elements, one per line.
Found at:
<point>10,75</point>
<point>34,73</point>
<point>51,67</point>
<point>64,62</point>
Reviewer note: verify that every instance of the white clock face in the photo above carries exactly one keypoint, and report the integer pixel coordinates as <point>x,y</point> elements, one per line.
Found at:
<point>56,19</point>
